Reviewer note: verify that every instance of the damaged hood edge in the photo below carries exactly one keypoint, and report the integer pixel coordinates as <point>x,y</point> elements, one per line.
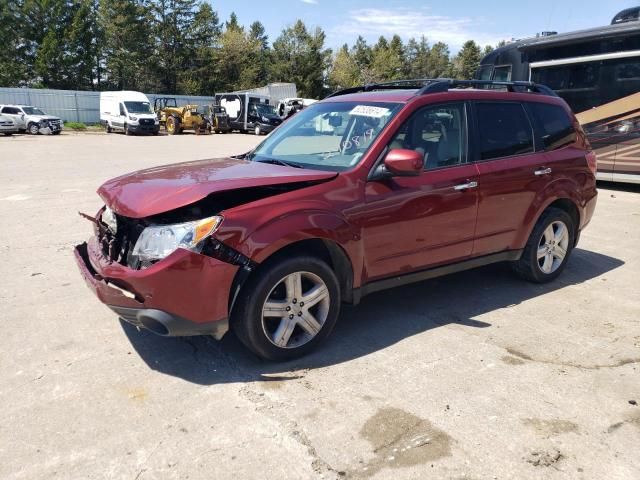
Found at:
<point>161,189</point>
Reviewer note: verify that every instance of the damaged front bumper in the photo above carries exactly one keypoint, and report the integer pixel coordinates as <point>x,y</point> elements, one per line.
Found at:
<point>185,294</point>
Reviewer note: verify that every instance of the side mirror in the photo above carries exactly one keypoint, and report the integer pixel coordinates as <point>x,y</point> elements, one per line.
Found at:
<point>401,162</point>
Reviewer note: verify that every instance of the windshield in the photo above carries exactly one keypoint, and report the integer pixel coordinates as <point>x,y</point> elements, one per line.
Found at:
<point>33,111</point>
<point>264,109</point>
<point>138,107</point>
<point>327,136</point>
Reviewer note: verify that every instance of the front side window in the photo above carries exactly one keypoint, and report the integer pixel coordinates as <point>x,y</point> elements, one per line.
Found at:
<point>554,124</point>
<point>138,107</point>
<point>438,132</point>
<point>326,136</point>
<point>503,129</point>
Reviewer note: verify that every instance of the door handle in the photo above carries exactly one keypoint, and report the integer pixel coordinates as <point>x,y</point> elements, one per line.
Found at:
<point>542,171</point>
<point>465,186</point>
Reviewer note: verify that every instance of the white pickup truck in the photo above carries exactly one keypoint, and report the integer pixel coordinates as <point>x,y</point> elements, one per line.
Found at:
<point>32,119</point>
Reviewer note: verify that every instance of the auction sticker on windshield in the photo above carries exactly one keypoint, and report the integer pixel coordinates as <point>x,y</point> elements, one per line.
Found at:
<point>369,111</point>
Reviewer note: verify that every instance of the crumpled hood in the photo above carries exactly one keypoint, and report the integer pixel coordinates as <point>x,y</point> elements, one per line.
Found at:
<point>160,189</point>
<point>42,117</point>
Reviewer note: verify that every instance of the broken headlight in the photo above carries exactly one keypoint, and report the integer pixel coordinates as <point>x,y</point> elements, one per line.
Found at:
<point>158,241</point>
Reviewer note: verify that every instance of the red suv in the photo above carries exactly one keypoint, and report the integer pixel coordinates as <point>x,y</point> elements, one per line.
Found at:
<point>371,188</point>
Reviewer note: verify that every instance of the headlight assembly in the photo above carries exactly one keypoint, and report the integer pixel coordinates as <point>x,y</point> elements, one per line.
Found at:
<point>158,241</point>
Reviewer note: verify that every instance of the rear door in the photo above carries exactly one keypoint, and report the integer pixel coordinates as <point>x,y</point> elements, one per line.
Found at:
<point>511,173</point>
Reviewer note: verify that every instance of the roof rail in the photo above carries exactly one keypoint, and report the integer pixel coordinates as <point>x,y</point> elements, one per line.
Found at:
<point>444,84</point>
<point>391,85</point>
<point>439,85</point>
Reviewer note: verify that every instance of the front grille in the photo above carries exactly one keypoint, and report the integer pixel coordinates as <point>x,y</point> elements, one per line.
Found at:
<point>147,121</point>
<point>57,123</point>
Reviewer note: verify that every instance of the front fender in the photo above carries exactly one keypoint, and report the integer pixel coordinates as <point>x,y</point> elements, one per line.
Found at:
<point>302,222</point>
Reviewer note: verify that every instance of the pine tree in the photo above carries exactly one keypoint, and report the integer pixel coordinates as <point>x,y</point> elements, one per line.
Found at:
<point>467,61</point>
<point>128,45</point>
<point>199,76</point>
<point>300,57</point>
<point>418,53</point>
<point>388,61</point>
<point>344,70</point>
<point>439,63</point>
<point>172,24</point>
<point>260,41</point>
<point>14,70</point>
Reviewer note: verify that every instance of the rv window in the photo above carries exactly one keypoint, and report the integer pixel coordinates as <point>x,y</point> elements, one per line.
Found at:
<point>628,70</point>
<point>504,130</point>
<point>554,124</point>
<point>502,74</point>
<point>574,76</point>
<point>484,72</point>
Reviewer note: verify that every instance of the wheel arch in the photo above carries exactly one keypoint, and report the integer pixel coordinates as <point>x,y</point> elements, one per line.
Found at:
<point>566,200</point>
<point>324,249</point>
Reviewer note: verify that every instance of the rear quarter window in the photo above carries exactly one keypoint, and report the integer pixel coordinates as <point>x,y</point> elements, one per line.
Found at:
<point>554,124</point>
<point>503,130</point>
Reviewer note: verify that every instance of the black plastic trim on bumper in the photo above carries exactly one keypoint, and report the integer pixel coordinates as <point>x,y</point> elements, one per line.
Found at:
<point>143,128</point>
<point>169,325</point>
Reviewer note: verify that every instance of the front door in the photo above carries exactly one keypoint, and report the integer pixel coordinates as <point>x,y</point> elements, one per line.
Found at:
<point>413,223</point>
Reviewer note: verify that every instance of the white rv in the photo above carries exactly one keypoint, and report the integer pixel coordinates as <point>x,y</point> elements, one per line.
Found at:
<point>129,112</point>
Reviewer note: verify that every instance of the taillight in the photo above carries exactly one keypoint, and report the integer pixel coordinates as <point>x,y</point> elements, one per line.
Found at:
<point>592,161</point>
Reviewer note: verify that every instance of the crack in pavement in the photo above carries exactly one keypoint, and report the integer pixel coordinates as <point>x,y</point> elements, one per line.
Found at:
<point>524,356</point>
<point>266,405</point>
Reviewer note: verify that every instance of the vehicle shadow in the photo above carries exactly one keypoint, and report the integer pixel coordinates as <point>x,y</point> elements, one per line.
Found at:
<point>381,320</point>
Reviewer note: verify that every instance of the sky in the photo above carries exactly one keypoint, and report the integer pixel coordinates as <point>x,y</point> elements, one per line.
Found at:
<point>452,22</point>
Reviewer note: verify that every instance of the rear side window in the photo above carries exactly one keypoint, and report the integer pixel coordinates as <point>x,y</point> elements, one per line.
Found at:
<point>503,130</point>
<point>555,125</point>
<point>11,110</point>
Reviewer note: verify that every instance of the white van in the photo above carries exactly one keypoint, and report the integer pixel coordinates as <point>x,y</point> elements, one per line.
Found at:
<point>127,111</point>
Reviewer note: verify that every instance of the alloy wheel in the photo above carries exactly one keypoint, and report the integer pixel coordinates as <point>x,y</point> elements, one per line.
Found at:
<point>552,248</point>
<point>295,310</point>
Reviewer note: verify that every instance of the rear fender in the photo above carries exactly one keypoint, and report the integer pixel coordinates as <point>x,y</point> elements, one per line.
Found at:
<point>562,188</point>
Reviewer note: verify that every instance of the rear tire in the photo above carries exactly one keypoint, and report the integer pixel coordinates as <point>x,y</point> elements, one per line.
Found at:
<point>548,249</point>
<point>270,317</point>
<point>108,128</point>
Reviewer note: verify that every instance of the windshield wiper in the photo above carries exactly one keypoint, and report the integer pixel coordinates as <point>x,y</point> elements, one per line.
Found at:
<point>275,161</point>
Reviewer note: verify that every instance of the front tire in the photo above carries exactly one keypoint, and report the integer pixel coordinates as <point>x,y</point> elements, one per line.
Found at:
<point>257,130</point>
<point>126,130</point>
<point>108,128</point>
<point>33,128</point>
<point>548,249</point>
<point>172,126</point>
<point>287,308</point>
